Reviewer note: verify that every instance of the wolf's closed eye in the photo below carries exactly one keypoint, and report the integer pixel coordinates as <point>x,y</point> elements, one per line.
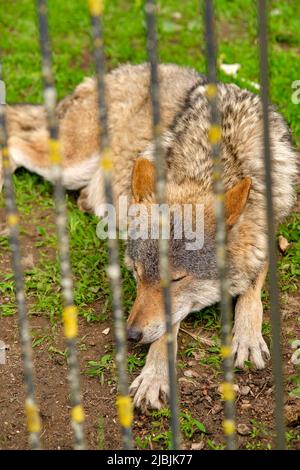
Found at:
<point>179,278</point>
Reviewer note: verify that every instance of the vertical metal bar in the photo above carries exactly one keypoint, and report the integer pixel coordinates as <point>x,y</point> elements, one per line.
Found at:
<point>31,408</point>
<point>150,10</point>
<point>124,403</point>
<point>69,310</point>
<point>221,238</point>
<point>273,286</point>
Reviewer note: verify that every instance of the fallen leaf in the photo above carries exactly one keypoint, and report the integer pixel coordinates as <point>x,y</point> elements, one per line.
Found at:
<point>197,445</point>
<point>243,429</point>
<point>245,390</point>
<point>170,26</point>
<point>283,244</point>
<point>190,373</point>
<point>176,15</point>
<point>230,69</point>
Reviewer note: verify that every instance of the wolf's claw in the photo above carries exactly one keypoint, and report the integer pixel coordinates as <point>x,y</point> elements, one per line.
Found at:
<point>246,346</point>
<point>150,390</point>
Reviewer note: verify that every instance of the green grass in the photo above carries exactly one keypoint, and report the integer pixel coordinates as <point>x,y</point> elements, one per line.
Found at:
<point>190,427</point>
<point>136,361</point>
<point>295,380</point>
<point>100,433</point>
<point>289,266</point>
<point>100,368</point>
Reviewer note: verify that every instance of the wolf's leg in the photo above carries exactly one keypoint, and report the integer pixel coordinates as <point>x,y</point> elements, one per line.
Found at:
<point>247,340</point>
<point>151,388</point>
<point>92,197</point>
<point>82,201</point>
<point>13,168</point>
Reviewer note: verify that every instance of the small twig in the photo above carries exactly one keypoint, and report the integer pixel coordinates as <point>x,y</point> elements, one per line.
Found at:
<point>262,390</point>
<point>199,339</point>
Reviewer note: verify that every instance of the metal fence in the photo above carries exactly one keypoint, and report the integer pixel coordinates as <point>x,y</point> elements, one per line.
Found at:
<point>123,401</point>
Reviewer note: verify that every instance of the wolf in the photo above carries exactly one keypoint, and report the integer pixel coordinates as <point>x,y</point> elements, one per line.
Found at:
<point>185,126</point>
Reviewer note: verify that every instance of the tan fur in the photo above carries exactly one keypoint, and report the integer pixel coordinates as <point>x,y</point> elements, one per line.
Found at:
<point>247,339</point>
<point>235,200</point>
<point>144,313</point>
<point>143,179</point>
<point>27,132</point>
<point>151,388</point>
<point>143,187</point>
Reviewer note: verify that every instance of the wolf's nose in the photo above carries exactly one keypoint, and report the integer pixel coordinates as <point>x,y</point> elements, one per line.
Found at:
<point>134,334</point>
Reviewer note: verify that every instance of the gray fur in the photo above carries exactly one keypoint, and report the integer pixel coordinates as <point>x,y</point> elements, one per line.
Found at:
<point>200,263</point>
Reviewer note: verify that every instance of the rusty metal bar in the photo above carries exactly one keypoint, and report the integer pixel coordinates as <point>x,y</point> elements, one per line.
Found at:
<point>160,164</point>
<point>69,310</point>
<point>215,135</point>
<point>124,403</point>
<point>31,408</point>
<point>273,281</point>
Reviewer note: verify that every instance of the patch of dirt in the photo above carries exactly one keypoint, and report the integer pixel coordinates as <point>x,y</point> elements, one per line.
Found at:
<point>52,390</point>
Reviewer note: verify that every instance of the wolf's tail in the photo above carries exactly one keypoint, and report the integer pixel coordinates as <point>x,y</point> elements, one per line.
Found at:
<point>27,135</point>
<point>28,143</point>
<point>27,138</point>
<point>25,118</point>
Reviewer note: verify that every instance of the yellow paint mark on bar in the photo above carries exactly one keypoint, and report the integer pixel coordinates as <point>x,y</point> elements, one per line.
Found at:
<point>106,160</point>
<point>227,391</point>
<point>33,419</point>
<point>55,155</point>
<point>158,128</point>
<point>5,163</point>
<point>164,283</point>
<point>211,90</point>
<point>12,220</point>
<point>125,411</point>
<point>98,42</point>
<point>5,152</point>
<point>70,322</point>
<point>96,7</point>
<point>220,197</point>
<point>214,134</point>
<point>225,350</point>
<point>77,414</point>
<point>5,158</point>
<point>229,427</point>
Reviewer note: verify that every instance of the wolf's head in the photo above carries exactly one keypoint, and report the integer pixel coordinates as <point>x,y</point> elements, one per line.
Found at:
<point>194,280</point>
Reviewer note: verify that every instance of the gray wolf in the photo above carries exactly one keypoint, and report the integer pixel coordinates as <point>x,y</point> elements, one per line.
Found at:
<point>185,123</point>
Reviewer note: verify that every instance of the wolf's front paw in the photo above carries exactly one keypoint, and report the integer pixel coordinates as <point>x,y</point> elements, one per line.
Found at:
<point>150,390</point>
<point>246,346</point>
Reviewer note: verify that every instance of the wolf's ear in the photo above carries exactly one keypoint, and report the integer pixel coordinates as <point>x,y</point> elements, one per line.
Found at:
<point>235,200</point>
<point>143,179</point>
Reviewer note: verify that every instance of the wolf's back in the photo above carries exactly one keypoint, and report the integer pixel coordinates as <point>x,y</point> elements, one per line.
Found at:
<point>189,158</point>
<point>189,154</point>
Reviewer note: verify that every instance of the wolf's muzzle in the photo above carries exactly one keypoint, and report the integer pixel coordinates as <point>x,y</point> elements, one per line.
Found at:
<point>133,334</point>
